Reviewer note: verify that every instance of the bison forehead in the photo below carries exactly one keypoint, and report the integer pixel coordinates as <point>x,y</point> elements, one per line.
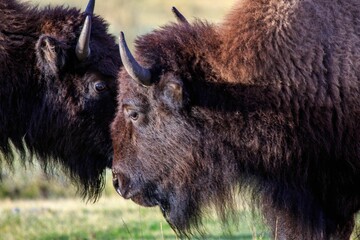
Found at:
<point>129,88</point>
<point>62,25</point>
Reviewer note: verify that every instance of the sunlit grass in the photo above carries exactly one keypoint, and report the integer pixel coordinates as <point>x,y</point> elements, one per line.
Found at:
<point>109,218</point>
<point>73,219</point>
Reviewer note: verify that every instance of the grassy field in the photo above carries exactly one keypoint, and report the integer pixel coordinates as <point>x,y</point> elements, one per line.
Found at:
<point>109,218</point>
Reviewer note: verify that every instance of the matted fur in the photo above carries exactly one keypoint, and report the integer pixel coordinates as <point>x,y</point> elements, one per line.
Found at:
<point>49,104</point>
<point>266,102</point>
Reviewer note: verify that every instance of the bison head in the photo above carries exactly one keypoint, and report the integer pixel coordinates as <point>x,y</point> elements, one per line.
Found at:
<point>77,62</point>
<point>59,69</point>
<point>158,136</point>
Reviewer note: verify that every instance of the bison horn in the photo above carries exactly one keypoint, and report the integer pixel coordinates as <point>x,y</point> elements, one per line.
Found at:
<point>83,45</point>
<point>179,16</point>
<point>134,69</point>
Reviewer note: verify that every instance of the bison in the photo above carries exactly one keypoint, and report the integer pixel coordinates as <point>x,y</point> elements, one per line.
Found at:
<point>267,103</point>
<point>58,69</point>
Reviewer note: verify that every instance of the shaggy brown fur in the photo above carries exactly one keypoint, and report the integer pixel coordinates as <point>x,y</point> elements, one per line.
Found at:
<point>52,104</point>
<point>268,101</point>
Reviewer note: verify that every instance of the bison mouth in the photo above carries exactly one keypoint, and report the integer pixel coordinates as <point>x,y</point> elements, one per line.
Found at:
<point>142,194</point>
<point>174,209</point>
<point>143,200</point>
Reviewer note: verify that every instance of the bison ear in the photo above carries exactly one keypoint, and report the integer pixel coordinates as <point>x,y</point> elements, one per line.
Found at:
<point>172,93</point>
<point>51,55</point>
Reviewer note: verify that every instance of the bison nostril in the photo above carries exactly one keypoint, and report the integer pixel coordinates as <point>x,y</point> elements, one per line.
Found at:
<point>122,185</point>
<point>115,183</point>
<point>117,186</point>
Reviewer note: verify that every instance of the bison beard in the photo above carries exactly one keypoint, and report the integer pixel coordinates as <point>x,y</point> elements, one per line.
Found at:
<point>266,103</point>
<point>58,91</point>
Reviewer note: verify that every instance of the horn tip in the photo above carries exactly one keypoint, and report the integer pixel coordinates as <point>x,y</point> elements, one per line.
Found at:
<point>174,10</point>
<point>122,36</point>
<point>178,15</point>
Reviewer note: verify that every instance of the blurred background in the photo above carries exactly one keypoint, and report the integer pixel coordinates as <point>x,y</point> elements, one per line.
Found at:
<point>38,205</point>
<point>137,17</point>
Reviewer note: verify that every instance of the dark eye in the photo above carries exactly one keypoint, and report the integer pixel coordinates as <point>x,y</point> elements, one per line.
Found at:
<point>134,115</point>
<point>100,86</point>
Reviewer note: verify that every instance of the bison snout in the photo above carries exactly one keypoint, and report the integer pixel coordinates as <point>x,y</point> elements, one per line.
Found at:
<point>122,185</point>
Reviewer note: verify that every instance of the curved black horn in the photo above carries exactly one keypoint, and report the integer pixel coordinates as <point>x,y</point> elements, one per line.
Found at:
<point>83,46</point>
<point>137,72</point>
<point>179,16</point>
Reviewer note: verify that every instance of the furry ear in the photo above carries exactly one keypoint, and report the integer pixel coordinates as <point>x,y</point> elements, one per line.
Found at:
<point>50,54</point>
<point>173,93</point>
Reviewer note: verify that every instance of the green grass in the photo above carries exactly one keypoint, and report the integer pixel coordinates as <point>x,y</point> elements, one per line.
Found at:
<point>109,218</point>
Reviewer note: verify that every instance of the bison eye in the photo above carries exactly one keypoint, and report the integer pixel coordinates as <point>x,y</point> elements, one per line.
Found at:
<point>134,116</point>
<point>100,86</point>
